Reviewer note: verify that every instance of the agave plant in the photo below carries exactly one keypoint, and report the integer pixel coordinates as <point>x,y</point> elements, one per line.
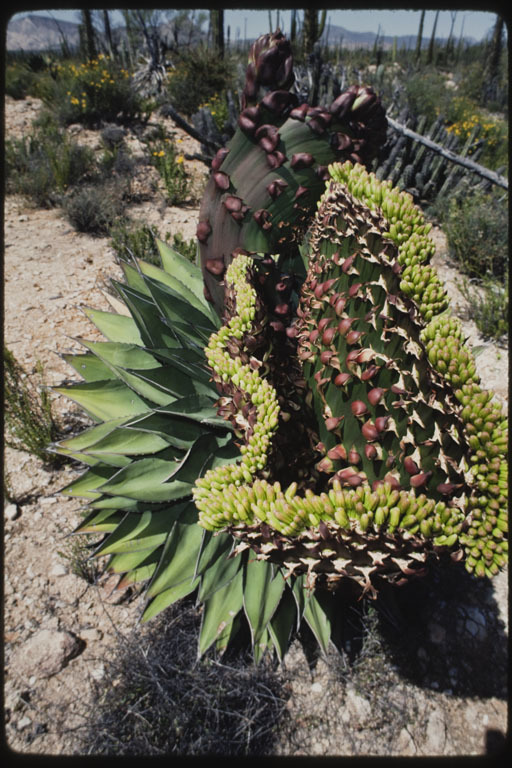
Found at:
<point>300,411</point>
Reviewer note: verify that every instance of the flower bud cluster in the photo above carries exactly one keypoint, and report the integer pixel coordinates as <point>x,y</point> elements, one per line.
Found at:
<point>484,539</point>
<point>248,380</point>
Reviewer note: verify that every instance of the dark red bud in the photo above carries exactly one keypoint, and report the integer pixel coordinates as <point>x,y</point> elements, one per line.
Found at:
<point>370,372</point>
<point>341,379</point>
<point>323,323</point>
<point>232,203</point>
<point>333,422</point>
<point>301,191</point>
<point>358,408</point>
<point>397,390</point>
<point>375,395</point>
<point>338,453</point>
<point>344,324</point>
<point>355,480</point>
<point>410,466</point>
<point>276,187</point>
<point>341,105</point>
<point>342,141</point>
<point>447,489</point>
<point>215,266</point>
<point>278,326</point>
<point>313,336</point>
<point>381,423</point>
<point>420,479</point>
<point>276,159</point>
<point>203,231</point>
<point>299,113</point>
<point>291,331</point>
<point>219,158</point>
<point>328,336</point>
<point>278,101</point>
<point>353,337</point>
<point>369,431</point>
<point>340,305</point>
<point>370,451</point>
<point>302,160</point>
<point>354,457</point>
<point>393,481</point>
<point>221,180</point>
<point>325,356</point>
<point>354,288</point>
<point>282,309</point>
<point>348,263</point>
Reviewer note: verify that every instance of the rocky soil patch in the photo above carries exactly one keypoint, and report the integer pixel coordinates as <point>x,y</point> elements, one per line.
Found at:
<point>431,681</point>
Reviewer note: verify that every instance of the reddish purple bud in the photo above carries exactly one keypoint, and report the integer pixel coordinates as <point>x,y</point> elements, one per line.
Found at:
<point>282,309</point>
<point>333,422</point>
<point>219,158</point>
<point>354,288</point>
<point>358,408</point>
<point>301,191</point>
<point>278,326</point>
<point>275,159</point>
<point>341,142</point>
<point>447,489</point>
<point>354,457</point>
<point>233,203</point>
<point>344,324</point>
<point>323,323</point>
<point>369,431</point>
<point>291,331</point>
<point>353,337</point>
<point>215,266</point>
<point>370,451</point>
<point>393,481</point>
<point>325,356</point>
<point>302,160</point>
<point>341,379</point>
<point>328,336</point>
<point>420,479</point>
<point>381,423</point>
<point>278,101</point>
<point>276,187</point>
<point>299,113</point>
<point>355,480</point>
<point>370,372</point>
<point>246,124</point>
<point>348,263</point>
<point>397,390</point>
<point>262,218</point>
<point>375,395</point>
<point>221,180</point>
<point>340,305</point>
<point>313,336</point>
<point>410,466</point>
<point>203,231</point>
<point>341,105</point>
<point>337,453</point>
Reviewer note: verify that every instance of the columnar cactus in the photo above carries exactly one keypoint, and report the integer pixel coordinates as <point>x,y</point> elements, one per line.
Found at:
<point>329,428</point>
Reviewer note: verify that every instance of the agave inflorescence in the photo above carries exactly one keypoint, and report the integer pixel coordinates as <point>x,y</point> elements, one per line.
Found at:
<point>330,428</point>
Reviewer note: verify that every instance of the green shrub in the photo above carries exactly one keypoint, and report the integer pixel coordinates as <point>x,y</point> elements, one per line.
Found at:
<point>196,78</point>
<point>45,164</point>
<point>91,92</point>
<point>171,168</point>
<point>94,208</point>
<point>488,306</point>
<point>18,80</point>
<point>140,243</point>
<point>30,425</point>
<point>476,228</point>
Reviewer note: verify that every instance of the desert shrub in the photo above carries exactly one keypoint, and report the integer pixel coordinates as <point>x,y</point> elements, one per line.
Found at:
<point>426,93</point>
<point>91,92</point>
<point>94,208</point>
<point>476,227</point>
<point>170,166</point>
<point>30,425</point>
<point>165,701</point>
<point>18,80</point>
<point>196,78</point>
<point>488,306</point>
<point>44,164</point>
<point>139,242</point>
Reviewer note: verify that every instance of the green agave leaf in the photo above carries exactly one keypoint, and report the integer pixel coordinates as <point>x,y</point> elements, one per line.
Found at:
<point>213,548</point>
<point>167,598</point>
<point>105,400</point>
<point>183,270</point>
<point>200,408</point>
<point>179,555</point>
<point>153,332</point>
<point>190,361</point>
<point>262,592</point>
<point>115,327</point>
<point>141,531</point>
<point>164,385</point>
<point>92,479</point>
<point>126,562</point>
<point>283,622</point>
<point>178,432</point>
<point>92,435</point>
<point>178,310</point>
<point>89,367</point>
<point>181,289</point>
<point>220,610</point>
<point>227,634</point>
<point>122,355</point>
<point>221,572</point>
<point>129,442</point>
<point>119,502</point>
<point>145,479</point>
<point>318,621</point>
<point>264,643</point>
<point>135,279</point>
<point>98,522</point>
<point>142,572</point>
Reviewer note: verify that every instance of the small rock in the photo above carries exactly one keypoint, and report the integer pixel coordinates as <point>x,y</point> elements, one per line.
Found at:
<point>357,705</point>
<point>24,722</point>
<point>11,512</point>
<point>91,634</point>
<point>58,570</point>
<point>98,672</point>
<point>316,688</point>
<point>405,745</point>
<point>435,734</point>
<point>46,653</point>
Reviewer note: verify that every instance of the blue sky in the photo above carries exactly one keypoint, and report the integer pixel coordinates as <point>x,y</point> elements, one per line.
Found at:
<point>391,22</point>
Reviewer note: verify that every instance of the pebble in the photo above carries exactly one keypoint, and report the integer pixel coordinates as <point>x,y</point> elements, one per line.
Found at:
<point>23,723</point>
<point>11,512</point>
<point>58,570</point>
<point>316,688</point>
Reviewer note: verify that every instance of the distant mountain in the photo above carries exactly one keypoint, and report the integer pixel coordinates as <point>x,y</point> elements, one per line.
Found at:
<point>39,33</point>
